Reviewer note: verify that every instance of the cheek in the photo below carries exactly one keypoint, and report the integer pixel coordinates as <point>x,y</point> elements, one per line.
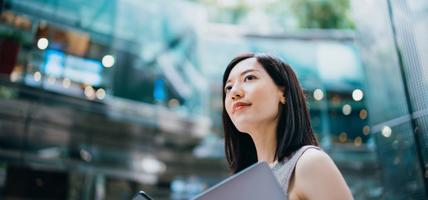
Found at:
<point>227,106</point>
<point>265,97</point>
<point>266,103</point>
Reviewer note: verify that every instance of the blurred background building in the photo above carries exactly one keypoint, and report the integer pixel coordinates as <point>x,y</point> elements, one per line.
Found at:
<point>100,99</point>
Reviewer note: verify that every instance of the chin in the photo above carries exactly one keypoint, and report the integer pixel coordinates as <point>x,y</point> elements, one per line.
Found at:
<point>242,130</point>
<point>243,127</point>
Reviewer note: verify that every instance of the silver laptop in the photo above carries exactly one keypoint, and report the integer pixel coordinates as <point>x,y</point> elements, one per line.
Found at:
<point>255,182</point>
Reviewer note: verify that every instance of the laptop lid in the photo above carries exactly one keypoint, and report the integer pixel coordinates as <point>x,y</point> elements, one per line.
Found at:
<point>141,195</point>
<point>255,182</point>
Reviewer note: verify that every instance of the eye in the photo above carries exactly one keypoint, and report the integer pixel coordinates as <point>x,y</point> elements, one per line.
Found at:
<point>250,77</point>
<point>227,88</point>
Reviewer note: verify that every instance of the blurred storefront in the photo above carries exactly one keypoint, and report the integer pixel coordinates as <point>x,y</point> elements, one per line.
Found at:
<point>98,101</point>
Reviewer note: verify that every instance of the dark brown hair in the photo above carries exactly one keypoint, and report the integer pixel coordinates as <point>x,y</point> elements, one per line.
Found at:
<point>294,127</point>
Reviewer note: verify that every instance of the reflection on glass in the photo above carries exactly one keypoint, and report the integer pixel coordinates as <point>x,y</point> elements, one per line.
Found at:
<point>318,94</point>
<point>346,109</point>
<point>386,131</point>
<point>42,43</point>
<point>357,94</point>
<point>108,61</point>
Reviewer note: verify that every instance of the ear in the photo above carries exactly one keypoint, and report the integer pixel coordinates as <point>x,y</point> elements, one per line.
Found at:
<point>281,95</point>
<point>283,100</point>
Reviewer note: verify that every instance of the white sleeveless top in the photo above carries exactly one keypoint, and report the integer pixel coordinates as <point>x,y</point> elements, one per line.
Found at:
<point>284,170</point>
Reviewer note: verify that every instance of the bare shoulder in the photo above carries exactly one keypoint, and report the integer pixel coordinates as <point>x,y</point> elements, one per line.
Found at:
<point>317,177</point>
<point>314,159</point>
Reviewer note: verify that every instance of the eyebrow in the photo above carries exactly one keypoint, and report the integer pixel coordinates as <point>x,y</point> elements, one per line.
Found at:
<point>244,72</point>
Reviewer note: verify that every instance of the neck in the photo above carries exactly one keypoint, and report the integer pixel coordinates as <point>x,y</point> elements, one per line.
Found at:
<point>265,140</point>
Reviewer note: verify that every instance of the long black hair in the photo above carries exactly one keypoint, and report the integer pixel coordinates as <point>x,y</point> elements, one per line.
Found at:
<point>294,127</point>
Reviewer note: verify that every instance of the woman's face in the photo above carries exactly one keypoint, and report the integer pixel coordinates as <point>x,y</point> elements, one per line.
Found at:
<point>252,98</point>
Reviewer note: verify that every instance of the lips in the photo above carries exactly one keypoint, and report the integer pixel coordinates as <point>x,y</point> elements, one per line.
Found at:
<point>239,106</point>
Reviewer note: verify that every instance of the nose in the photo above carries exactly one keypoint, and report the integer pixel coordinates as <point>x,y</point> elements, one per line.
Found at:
<point>236,92</point>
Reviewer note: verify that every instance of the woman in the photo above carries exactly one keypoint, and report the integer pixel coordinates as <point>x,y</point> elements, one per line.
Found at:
<point>265,119</point>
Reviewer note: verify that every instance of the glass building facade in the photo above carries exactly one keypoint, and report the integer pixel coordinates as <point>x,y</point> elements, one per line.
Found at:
<point>392,35</point>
